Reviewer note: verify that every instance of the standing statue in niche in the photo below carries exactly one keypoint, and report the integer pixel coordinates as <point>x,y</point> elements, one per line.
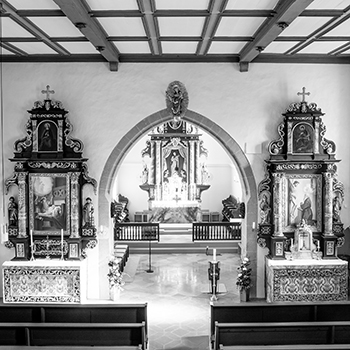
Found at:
<point>12,212</point>
<point>306,206</point>
<point>88,212</point>
<point>265,210</point>
<point>174,164</point>
<point>336,209</point>
<point>144,175</point>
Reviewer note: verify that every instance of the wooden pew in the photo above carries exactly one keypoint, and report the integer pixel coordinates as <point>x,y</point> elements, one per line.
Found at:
<point>281,333</point>
<point>288,347</point>
<point>88,313</point>
<point>281,312</point>
<point>73,334</point>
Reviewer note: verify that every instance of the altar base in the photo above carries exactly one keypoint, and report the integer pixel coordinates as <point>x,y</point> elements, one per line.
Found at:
<point>44,281</point>
<point>306,280</point>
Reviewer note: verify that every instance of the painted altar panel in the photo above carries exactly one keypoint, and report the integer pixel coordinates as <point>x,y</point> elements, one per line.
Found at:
<point>44,281</point>
<point>305,280</point>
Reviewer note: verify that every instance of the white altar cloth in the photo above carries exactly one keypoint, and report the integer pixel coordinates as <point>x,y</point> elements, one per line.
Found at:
<point>306,280</point>
<point>44,281</point>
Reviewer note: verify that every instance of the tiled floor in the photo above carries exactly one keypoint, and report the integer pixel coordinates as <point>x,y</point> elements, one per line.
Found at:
<point>177,293</point>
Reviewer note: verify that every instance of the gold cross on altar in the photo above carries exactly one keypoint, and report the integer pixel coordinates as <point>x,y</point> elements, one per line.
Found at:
<point>303,94</point>
<point>47,92</point>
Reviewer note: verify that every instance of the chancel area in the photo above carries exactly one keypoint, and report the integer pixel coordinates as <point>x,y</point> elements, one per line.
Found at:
<point>171,204</point>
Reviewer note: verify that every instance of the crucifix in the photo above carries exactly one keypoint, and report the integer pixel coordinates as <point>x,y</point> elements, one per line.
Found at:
<point>47,92</point>
<point>303,94</point>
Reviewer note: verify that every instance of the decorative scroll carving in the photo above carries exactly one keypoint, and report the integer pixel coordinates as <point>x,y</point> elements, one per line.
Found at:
<point>26,142</point>
<point>327,145</point>
<point>52,165</point>
<point>87,178</point>
<point>75,144</point>
<point>276,146</point>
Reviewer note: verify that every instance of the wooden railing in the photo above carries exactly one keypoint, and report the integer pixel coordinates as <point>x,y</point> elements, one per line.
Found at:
<point>136,231</point>
<point>216,231</point>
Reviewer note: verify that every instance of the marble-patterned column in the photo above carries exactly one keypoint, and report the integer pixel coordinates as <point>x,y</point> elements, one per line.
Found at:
<point>328,199</point>
<point>192,189</point>
<point>277,205</point>
<point>22,204</point>
<point>74,181</point>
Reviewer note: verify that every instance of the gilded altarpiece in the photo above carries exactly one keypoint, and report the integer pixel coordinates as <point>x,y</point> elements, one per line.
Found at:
<point>48,223</point>
<point>300,201</point>
<point>174,172</point>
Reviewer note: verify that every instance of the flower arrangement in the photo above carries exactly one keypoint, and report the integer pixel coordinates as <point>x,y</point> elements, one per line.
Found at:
<point>244,275</point>
<point>115,276</point>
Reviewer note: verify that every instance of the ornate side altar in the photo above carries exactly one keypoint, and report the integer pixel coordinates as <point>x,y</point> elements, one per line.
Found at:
<point>300,280</point>
<point>300,201</point>
<point>43,281</point>
<point>50,221</point>
<point>174,172</point>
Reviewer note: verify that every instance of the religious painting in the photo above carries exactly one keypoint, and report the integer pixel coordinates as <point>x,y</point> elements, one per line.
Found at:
<point>48,203</point>
<point>47,137</point>
<point>302,138</point>
<point>302,201</point>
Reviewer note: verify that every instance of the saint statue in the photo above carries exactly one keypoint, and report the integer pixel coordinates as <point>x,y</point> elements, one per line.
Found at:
<point>13,212</point>
<point>88,211</point>
<point>336,209</point>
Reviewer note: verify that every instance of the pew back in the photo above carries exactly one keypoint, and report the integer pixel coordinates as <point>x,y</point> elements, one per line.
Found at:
<point>281,333</point>
<point>73,334</point>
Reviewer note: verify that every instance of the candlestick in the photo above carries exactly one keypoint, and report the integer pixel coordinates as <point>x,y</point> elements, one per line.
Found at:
<point>214,254</point>
<point>31,238</point>
<point>253,226</point>
<point>61,243</point>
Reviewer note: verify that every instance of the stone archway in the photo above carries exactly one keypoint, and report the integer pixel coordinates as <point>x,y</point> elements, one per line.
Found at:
<point>249,245</point>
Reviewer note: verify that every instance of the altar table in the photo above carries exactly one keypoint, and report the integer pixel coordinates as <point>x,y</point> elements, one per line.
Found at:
<point>306,280</point>
<point>44,281</point>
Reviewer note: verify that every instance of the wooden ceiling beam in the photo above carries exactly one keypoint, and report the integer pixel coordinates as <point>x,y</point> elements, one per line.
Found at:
<point>31,28</point>
<point>211,25</point>
<point>77,12</point>
<point>147,9</point>
<point>286,11</point>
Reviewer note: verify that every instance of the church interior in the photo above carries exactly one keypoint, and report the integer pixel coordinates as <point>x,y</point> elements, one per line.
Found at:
<point>175,175</point>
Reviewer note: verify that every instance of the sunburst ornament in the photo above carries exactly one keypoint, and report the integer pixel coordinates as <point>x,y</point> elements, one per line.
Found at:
<point>176,100</point>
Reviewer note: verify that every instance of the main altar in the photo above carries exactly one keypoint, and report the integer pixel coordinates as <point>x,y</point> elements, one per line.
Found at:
<point>300,201</point>
<point>174,171</point>
<point>50,219</point>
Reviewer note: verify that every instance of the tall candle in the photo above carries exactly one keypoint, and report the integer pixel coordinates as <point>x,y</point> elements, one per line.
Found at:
<point>31,237</point>
<point>214,254</point>
<point>62,240</point>
<point>253,226</point>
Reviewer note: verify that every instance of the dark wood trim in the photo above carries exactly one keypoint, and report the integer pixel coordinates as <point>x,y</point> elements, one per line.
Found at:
<point>286,11</point>
<point>77,12</point>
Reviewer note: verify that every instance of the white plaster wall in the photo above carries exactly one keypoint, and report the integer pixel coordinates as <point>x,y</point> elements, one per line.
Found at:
<point>105,105</point>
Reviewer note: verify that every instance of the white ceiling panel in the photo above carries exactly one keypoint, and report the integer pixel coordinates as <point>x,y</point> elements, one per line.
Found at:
<point>182,4</point>
<point>11,29</point>
<point>113,4</point>
<point>239,26</point>
<point>78,47</point>
<point>122,26</point>
<point>33,4</point>
<point>251,4</point>
<point>181,26</point>
<point>304,26</point>
<point>342,30</point>
<point>322,47</point>
<point>328,4</point>
<point>128,47</point>
<point>280,46</point>
<point>35,48</point>
<point>226,47</point>
<point>185,47</point>
<point>56,26</point>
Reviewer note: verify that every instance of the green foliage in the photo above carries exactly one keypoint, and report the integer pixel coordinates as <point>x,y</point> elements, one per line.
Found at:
<point>244,275</point>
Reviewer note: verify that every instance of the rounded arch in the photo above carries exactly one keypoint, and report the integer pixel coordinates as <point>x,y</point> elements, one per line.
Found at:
<point>249,245</point>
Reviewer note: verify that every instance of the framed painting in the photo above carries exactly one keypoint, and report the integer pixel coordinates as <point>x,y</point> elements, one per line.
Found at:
<point>302,201</point>
<point>49,208</point>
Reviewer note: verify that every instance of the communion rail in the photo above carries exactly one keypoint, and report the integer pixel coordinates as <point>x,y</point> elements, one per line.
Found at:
<point>216,231</point>
<point>136,231</point>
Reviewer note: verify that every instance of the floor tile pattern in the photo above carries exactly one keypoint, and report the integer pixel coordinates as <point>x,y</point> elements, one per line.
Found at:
<point>178,297</point>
